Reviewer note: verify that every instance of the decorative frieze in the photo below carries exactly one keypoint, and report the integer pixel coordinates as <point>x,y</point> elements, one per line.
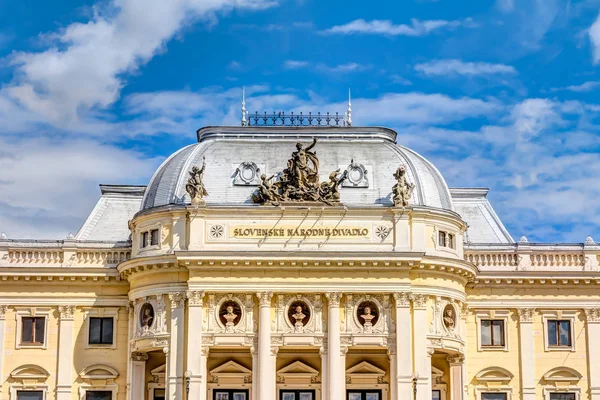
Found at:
<point>526,314</point>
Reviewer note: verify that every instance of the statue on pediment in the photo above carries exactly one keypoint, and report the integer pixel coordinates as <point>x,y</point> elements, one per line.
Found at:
<point>195,185</point>
<point>403,189</point>
<point>299,182</point>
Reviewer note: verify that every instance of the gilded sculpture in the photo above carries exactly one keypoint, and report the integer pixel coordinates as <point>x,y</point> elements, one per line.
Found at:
<point>299,182</point>
<point>402,190</point>
<point>195,185</point>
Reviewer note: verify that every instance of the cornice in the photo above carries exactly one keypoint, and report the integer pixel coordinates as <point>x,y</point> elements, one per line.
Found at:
<point>59,274</point>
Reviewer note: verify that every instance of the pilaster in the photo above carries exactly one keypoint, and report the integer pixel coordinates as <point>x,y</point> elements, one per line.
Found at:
<point>138,375</point>
<point>3,310</point>
<point>593,349</point>
<point>324,372</point>
<point>194,346</point>
<point>456,363</point>
<point>64,379</point>
<point>421,357</point>
<point>176,348</point>
<point>403,351</point>
<point>527,353</point>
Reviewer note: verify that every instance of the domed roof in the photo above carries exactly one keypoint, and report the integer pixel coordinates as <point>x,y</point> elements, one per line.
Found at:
<point>236,156</point>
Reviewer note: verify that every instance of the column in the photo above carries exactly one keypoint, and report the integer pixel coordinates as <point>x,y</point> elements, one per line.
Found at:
<point>421,358</point>
<point>324,382</point>
<point>273,366</point>
<point>464,311</point>
<point>176,348</point>
<point>593,348</point>
<point>204,352</point>
<point>336,371</point>
<point>64,379</point>
<point>266,375</point>
<point>130,334</point>
<point>3,310</point>
<point>138,375</point>
<point>403,351</point>
<point>255,373</point>
<point>527,353</point>
<point>194,346</point>
<point>456,363</point>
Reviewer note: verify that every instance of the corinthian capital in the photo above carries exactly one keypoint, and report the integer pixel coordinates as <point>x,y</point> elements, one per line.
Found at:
<point>195,297</point>
<point>420,300</point>
<point>526,314</point>
<point>264,298</point>
<point>177,299</point>
<point>3,309</point>
<point>592,314</point>
<point>66,312</point>
<point>333,298</point>
<point>402,299</point>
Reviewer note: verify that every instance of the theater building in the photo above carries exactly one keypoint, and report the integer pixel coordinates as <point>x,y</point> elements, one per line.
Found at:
<point>273,261</point>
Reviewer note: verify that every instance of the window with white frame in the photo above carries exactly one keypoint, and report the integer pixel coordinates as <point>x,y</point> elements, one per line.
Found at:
<point>559,326</point>
<point>32,327</point>
<point>98,395</point>
<point>101,327</point>
<point>30,395</point>
<point>150,238</point>
<point>493,396</point>
<point>446,239</point>
<point>492,328</point>
<point>562,396</point>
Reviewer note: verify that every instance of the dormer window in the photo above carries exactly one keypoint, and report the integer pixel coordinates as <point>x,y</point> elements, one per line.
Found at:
<point>446,239</point>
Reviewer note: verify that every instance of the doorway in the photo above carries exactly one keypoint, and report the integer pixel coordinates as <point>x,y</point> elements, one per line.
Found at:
<point>230,394</point>
<point>363,394</point>
<point>301,394</point>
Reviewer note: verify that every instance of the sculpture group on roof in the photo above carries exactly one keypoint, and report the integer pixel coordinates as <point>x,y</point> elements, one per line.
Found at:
<point>195,185</point>
<point>299,182</point>
<point>402,190</point>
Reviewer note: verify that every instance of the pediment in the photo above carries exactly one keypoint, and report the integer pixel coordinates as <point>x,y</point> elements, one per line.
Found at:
<point>494,374</point>
<point>230,368</point>
<point>99,372</point>
<point>29,371</point>
<point>159,371</point>
<point>297,368</point>
<point>436,372</point>
<point>365,368</point>
<point>564,374</point>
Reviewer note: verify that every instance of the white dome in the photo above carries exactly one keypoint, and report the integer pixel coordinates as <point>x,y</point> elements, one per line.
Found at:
<point>268,148</point>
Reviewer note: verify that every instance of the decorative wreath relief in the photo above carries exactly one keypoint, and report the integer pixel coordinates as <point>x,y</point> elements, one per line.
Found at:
<point>247,174</point>
<point>382,232</point>
<point>216,231</point>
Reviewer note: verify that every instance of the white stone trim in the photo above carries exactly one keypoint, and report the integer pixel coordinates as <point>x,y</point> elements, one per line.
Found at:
<point>569,315</point>
<point>571,389</point>
<point>97,312</point>
<point>84,388</point>
<point>16,387</point>
<point>102,382</point>
<point>479,390</point>
<point>31,312</point>
<point>149,228</point>
<point>503,315</point>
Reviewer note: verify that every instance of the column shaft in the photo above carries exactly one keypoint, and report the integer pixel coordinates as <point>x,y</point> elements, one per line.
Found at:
<point>324,370</point>
<point>266,375</point>
<point>527,353</point>
<point>403,351</point>
<point>64,378</point>
<point>176,348</point>
<point>336,371</point>
<point>194,346</point>
<point>421,358</point>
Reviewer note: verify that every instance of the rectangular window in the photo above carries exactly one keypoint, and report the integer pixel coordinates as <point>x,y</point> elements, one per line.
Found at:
<point>492,332</point>
<point>450,240</point>
<point>559,333</point>
<point>98,395</point>
<point>493,396</point>
<point>30,395</point>
<point>436,395</point>
<point>32,330</point>
<point>144,239</point>
<point>154,237</point>
<point>442,238</point>
<point>562,396</point>
<point>101,330</point>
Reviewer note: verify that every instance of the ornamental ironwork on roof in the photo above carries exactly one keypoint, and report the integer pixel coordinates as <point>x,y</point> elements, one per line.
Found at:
<point>291,119</point>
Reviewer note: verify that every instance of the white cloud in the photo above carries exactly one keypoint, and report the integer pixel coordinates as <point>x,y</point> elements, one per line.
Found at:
<point>458,67</point>
<point>584,87</point>
<point>85,67</point>
<point>295,64</point>
<point>594,33</point>
<point>505,5</point>
<point>343,68</point>
<point>386,27</point>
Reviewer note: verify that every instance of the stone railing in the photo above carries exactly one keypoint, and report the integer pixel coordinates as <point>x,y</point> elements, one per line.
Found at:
<point>533,256</point>
<point>67,253</point>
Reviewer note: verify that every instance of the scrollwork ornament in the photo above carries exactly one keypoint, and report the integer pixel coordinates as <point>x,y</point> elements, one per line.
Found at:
<point>66,312</point>
<point>526,314</point>
<point>333,298</point>
<point>177,300</point>
<point>195,298</point>
<point>274,350</point>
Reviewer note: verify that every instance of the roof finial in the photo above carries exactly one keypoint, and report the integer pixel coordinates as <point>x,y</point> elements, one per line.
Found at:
<point>349,112</point>
<point>244,112</point>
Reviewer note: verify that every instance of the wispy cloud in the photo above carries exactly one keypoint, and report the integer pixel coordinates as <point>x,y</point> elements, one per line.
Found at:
<point>594,33</point>
<point>584,87</point>
<point>386,27</point>
<point>395,78</point>
<point>295,64</point>
<point>458,67</point>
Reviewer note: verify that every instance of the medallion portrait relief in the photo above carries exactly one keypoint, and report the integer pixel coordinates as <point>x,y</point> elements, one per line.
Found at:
<point>146,316</point>
<point>230,314</point>
<point>449,317</point>
<point>368,314</point>
<point>299,314</point>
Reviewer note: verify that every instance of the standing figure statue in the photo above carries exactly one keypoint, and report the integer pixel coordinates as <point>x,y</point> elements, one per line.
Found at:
<point>299,165</point>
<point>195,186</point>
<point>402,190</point>
<point>267,191</point>
<point>330,192</point>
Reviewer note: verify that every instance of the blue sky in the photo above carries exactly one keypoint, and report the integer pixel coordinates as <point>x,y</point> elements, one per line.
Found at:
<point>500,94</point>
